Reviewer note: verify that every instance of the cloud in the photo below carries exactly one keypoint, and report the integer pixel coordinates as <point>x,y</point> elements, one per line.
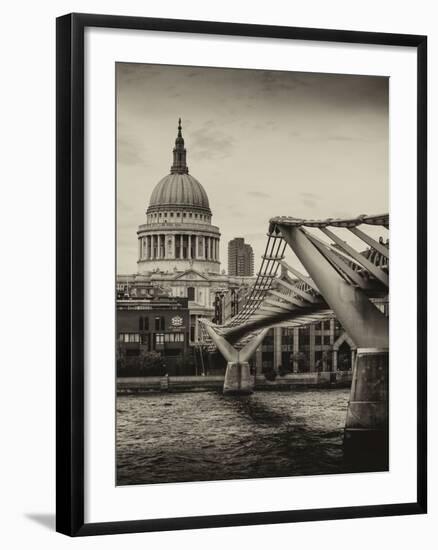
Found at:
<point>133,74</point>
<point>308,199</point>
<point>258,194</point>
<point>279,81</point>
<point>260,236</point>
<point>193,74</point>
<point>338,137</point>
<point>129,153</point>
<point>208,142</point>
<point>309,202</point>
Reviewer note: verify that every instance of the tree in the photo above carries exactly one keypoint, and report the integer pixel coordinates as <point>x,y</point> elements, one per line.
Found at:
<point>269,373</point>
<point>301,359</point>
<point>185,364</point>
<point>152,364</point>
<point>143,363</point>
<point>285,369</point>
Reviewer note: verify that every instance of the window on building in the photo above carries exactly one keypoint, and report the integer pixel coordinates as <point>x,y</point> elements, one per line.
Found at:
<point>327,324</point>
<point>269,338</point>
<point>184,215</point>
<point>287,336</point>
<point>327,340</point>
<point>177,247</point>
<point>304,335</point>
<point>171,214</point>
<point>191,293</point>
<point>159,323</point>
<point>129,337</point>
<point>169,337</point>
<point>177,214</point>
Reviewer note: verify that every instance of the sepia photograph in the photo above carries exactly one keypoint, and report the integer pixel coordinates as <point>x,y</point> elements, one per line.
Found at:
<point>252,274</point>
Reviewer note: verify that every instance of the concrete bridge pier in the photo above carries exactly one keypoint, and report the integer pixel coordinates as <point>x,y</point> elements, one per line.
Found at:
<point>366,427</point>
<point>238,379</point>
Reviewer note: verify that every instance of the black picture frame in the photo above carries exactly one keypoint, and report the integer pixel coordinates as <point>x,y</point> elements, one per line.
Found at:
<point>70,273</point>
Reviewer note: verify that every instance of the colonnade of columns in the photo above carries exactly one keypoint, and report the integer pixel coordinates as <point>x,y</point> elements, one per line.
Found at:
<point>178,246</point>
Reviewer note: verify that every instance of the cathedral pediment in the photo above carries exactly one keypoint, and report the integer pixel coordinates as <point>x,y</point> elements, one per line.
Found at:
<point>191,275</point>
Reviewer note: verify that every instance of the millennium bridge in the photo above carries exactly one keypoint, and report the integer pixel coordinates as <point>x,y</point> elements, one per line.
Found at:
<point>342,280</point>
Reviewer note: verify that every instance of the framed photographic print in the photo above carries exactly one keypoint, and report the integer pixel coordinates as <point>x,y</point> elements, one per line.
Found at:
<point>232,346</point>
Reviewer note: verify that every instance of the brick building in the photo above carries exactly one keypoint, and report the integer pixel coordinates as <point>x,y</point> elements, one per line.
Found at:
<point>160,324</point>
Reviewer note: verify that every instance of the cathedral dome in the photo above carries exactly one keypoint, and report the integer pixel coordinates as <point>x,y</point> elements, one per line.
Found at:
<point>178,234</point>
<point>179,189</point>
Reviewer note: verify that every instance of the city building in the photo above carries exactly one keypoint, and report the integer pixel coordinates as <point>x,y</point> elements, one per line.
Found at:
<point>322,346</point>
<point>154,324</point>
<point>240,258</point>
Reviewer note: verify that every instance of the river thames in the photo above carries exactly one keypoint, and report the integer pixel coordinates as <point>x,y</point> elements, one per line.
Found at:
<point>203,436</point>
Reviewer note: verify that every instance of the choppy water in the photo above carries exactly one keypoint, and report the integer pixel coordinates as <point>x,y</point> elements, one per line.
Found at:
<point>206,436</point>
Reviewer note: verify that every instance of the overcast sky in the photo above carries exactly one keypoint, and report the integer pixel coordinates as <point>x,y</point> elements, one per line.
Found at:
<point>262,143</point>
